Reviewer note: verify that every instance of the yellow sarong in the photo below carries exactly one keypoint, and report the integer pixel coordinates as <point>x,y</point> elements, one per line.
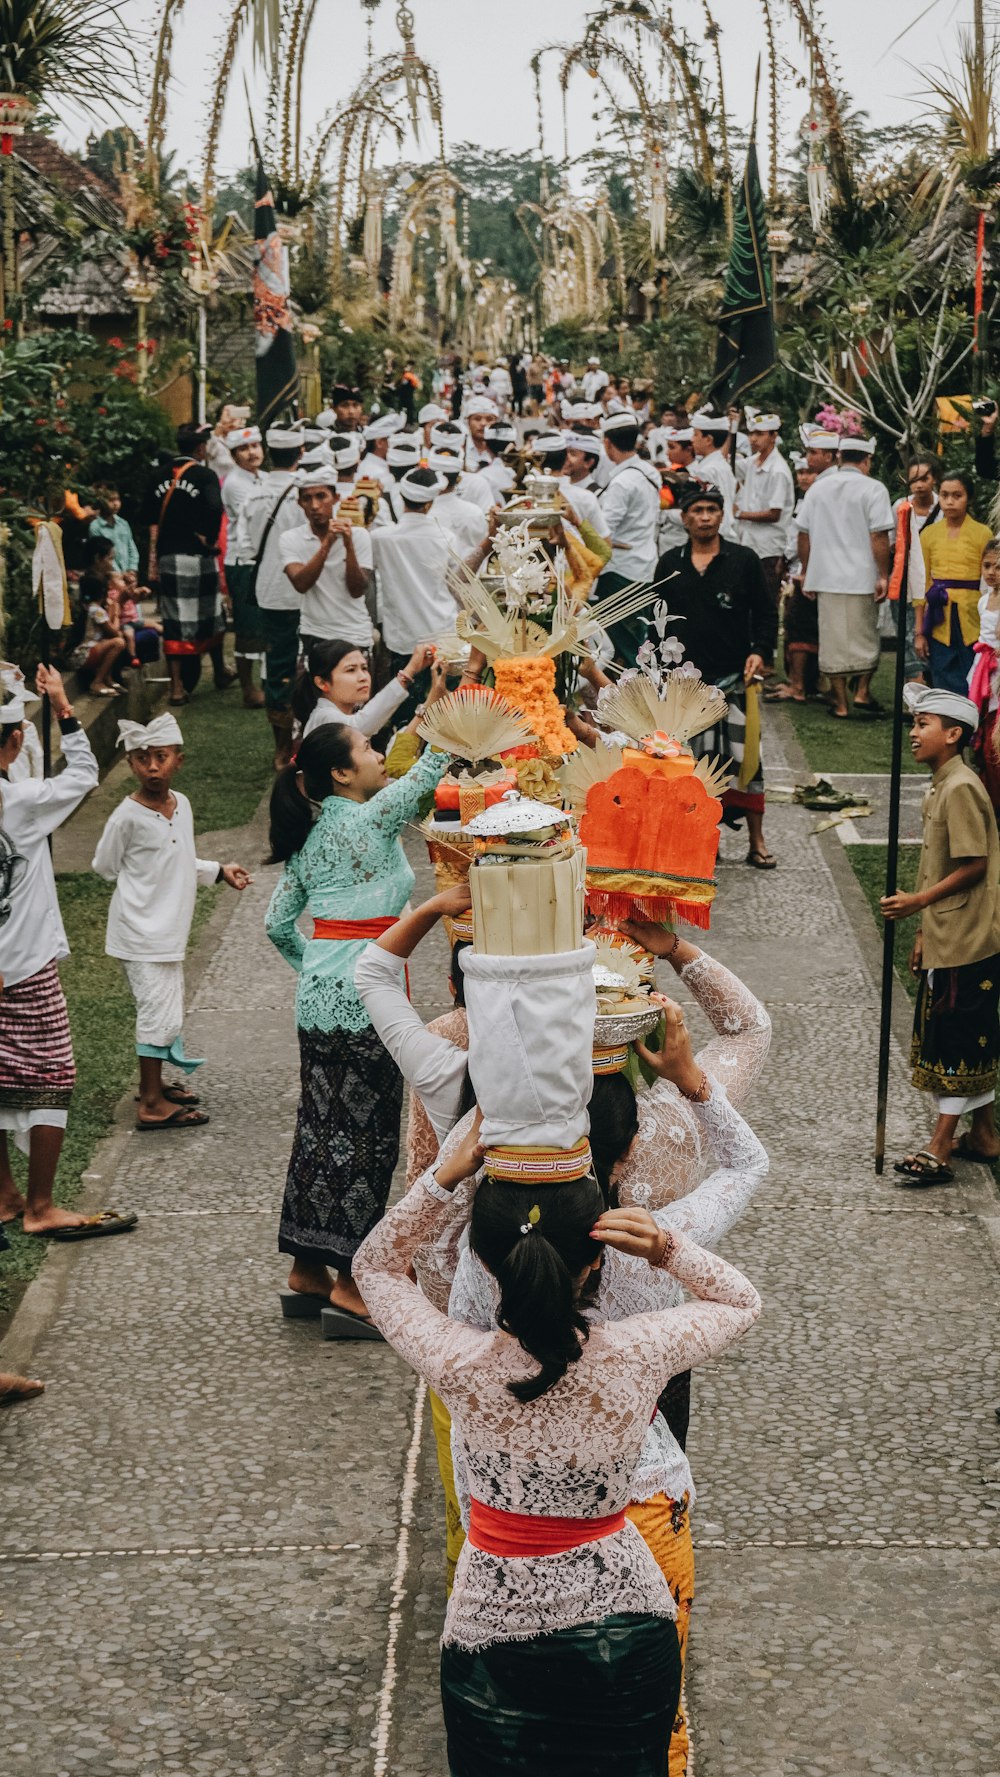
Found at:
<point>665,1527</point>
<point>454,1534</point>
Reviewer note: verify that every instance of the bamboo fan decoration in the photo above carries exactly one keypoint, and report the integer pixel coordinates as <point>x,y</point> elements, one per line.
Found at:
<point>585,768</point>
<point>682,707</point>
<point>474,725</point>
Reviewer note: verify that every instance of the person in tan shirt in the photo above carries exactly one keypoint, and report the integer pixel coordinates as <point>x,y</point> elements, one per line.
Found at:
<point>956,1029</point>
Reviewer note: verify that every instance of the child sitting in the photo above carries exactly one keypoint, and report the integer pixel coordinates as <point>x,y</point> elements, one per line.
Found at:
<point>147,850</point>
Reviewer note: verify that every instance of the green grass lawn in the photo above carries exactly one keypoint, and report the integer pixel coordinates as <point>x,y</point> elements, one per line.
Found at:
<point>227,769</point>
<point>868,863</point>
<point>853,745</point>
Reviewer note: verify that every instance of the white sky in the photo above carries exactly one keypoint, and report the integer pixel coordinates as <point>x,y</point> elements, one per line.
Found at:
<point>482,48</point>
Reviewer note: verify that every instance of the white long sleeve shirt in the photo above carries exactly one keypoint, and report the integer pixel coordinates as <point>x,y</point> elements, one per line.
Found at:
<point>33,934</point>
<point>631,506</point>
<point>463,518</point>
<point>372,715</point>
<point>151,859</point>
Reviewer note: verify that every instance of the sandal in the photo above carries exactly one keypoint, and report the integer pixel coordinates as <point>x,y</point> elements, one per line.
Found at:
<point>924,1169</point>
<point>963,1150</point>
<point>761,860</point>
<point>177,1095</point>
<point>869,712</point>
<point>176,702</point>
<point>94,1228</point>
<point>839,715</point>
<point>343,1323</point>
<point>181,1118</point>
<point>20,1388</point>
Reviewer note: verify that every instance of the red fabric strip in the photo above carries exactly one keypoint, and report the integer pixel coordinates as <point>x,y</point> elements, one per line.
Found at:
<point>525,1534</point>
<point>352,930</point>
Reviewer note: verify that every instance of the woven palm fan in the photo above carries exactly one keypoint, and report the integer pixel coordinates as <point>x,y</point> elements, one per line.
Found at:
<point>686,706</point>
<point>586,767</point>
<point>474,725</point>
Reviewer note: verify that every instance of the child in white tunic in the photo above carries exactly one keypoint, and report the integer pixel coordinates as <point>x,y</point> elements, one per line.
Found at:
<point>147,850</point>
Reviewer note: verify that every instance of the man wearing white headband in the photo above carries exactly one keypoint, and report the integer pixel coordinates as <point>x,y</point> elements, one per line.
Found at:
<point>247,451</point>
<point>712,467</point>
<point>766,500</point>
<point>478,413</point>
<point>465,520</point>
<point>845,524</point>
<point>452,435</point>
<point>37,1071</point>
<point>328,563</point>
<point>583,516</point>
<point>147,850</point>
<point>956,954</point>
<point>594,379</point>
<point>583,418</point>
<point>631,506</point>
<point>497,439</point>
<point>430,415</point>
<point>268,511</point>
<point>412,559</point>
<point>377,436</point>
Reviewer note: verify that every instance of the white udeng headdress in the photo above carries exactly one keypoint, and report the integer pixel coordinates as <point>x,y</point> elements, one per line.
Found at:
<point>162,731</point>
<point>924,700</point>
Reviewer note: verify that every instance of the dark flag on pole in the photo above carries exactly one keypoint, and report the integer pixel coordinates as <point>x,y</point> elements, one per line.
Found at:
<point>746,351</point>
<point>277,375</point>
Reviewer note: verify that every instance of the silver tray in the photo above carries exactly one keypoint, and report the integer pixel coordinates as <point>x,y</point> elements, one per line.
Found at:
<point>611,1028</point>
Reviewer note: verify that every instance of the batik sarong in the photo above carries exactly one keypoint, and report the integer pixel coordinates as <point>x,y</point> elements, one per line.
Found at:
<point>956,1030</point>
<point>665,1527</point>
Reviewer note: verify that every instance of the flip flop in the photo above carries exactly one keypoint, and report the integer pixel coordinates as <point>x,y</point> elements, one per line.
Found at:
<point>176,1095</point>
<point>963,1150</point>
<point>761,860</point>
<point>95,1227</point>
<point>24,1388</point>
<point>302,1304</point>
<point>869,712</point>
<point>182,1118</point>
<point>924,1169</point>
<point>343,1323</point>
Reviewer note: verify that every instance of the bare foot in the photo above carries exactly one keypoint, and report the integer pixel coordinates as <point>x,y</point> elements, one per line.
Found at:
<point>310,1280</point>
<point>11,1203</point>
<point>18,1388</point>
<point>347,1295</point>
<point>41,1221</point>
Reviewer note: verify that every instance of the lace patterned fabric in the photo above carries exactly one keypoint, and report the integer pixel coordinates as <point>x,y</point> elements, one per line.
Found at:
<point>352,866</point>
<point>572,1453</point>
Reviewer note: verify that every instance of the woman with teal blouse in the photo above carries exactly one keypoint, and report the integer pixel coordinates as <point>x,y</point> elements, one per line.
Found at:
<point>347,866</point>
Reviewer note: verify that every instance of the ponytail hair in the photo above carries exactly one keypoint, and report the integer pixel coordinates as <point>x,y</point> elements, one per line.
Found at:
<point>322,661</point>
<point>300,786</point>
<point>614,1125</point>
<point>537,1271</point>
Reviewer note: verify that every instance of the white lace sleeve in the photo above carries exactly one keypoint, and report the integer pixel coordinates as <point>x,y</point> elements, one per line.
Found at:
<point>475,1295</point>
<point>709,1211</point>
<point>736,1055</point>
<point>419,1331</point>
<point>726,1307</point>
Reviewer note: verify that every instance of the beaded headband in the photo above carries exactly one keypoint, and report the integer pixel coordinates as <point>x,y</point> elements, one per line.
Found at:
<point>526,1166</point>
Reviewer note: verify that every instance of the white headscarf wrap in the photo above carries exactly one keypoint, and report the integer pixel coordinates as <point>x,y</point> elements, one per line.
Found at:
<point>162,731</point>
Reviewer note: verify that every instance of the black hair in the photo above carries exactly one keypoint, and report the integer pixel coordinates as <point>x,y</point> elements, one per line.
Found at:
<point>960,476</point>
<point>9,728</point>
<point>456,971</point>
<point>624,437</point>
<point>292,802</point>
<point>95,547</point>
<point>537,1271</point>
<point>967,733</point>
<point>614,1124</point>
<point>554,460</point>
<point>930,463</point>
<point>322,661</point>
<point>338,441</point>
<point>284,459</point>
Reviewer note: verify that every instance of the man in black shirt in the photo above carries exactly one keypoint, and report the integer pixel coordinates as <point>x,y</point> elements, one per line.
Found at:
<point>728,632</point>
<point>184,512</point>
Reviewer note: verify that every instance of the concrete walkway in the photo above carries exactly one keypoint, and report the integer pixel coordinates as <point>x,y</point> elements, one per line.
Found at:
<point>222,1549</point>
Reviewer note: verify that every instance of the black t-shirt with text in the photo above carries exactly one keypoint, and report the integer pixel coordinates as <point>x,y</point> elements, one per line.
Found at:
<point>189,517</point>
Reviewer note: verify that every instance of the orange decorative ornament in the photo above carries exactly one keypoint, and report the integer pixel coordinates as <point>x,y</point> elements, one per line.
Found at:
<point>652,841</point>
<point>528,680</point>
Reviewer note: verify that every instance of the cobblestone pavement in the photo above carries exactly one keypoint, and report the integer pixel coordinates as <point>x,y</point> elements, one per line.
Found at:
<point>222,1538</point>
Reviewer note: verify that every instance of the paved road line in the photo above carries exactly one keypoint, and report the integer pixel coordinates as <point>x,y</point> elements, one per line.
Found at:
<point>383,1723</point>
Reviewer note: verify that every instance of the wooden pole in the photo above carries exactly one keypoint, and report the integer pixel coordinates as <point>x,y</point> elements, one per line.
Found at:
<point>892,858</point>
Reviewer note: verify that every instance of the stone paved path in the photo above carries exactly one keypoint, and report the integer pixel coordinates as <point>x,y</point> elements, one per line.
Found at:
<point>202,1568</point>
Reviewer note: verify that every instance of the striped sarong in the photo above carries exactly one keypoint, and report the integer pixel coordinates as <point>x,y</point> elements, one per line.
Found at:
<point>727,740</point>
<point>37,1070</point>
<point>190,603</point>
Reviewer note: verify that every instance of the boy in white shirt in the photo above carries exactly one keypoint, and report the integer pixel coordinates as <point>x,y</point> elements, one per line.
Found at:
<point>147,850</point>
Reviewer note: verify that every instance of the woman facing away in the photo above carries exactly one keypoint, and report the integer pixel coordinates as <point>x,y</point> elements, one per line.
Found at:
<point>335,686</point>
<point>335,825</point>
<point>651,1150</point>
<point>947,620</point>
<point>560,1650</point>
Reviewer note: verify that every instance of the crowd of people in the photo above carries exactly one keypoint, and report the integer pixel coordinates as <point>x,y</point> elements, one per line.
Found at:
<point>556,1324</point>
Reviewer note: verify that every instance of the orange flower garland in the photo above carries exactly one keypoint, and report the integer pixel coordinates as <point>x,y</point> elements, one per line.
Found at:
<point>528,681</point>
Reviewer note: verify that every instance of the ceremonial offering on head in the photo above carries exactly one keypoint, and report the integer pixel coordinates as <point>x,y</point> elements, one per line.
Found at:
<point>527,879</point>
<point>535,507</point>
<point>649,813</point>
<point>623,978</point>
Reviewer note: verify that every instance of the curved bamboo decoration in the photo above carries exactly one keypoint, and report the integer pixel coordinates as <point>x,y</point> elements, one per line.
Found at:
<point>712,34</point>
<point>811,34</point>
<point>220,92</point>
<point>158,91</point>
<point>772,104</point>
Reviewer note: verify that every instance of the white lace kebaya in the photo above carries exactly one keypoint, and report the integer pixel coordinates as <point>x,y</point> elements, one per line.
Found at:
<point>572,1453</point>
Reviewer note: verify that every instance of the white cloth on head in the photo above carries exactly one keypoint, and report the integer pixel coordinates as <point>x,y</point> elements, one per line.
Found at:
<point>762,422</point>
<point>384,426</point>
<point>33,934</point>
<point>12,711</point>
<point>323,475</point>
<point>839,514</point>
<point>857,447</point>
<point>924,700</point>
<point>162,731</point>
<point>477,404</point>
<point>818,438</point>
<point>419,493</point>
<point>412,559</point>
<point>531,1042</point>
<point>152,861</point>
<point>282,438</point>
<point>431,411</point>
<point>243,435</point>
<point>328,611</point>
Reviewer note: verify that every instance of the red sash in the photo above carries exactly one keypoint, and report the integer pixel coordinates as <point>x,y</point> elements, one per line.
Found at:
<point>526,1534</point>
<point>352,929</point>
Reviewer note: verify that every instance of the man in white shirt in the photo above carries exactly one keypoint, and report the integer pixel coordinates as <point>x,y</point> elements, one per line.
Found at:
<point>373,465</point>
<point>500,386</point>
<point>412,560</point>
<point>582,505</point>
<point>500,477</point>
<point>586,416</point>
<point>672,454</point>
<point>247,451</point>
<point>451,435</point>
<point>430,415</point>
<point>268,511</point>
<point>766,500</point>
<point>594,380</point>
<point>710,438</point>
<point>631,506</point>
<point>37,1071</point>
<point>478,413</point>
<point>845,524</point>
<point>466,521</point>
<point>328,561</point>
<point>404,453</point>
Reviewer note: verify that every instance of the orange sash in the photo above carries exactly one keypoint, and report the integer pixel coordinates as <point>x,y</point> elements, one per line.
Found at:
<point>525,1534</point>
